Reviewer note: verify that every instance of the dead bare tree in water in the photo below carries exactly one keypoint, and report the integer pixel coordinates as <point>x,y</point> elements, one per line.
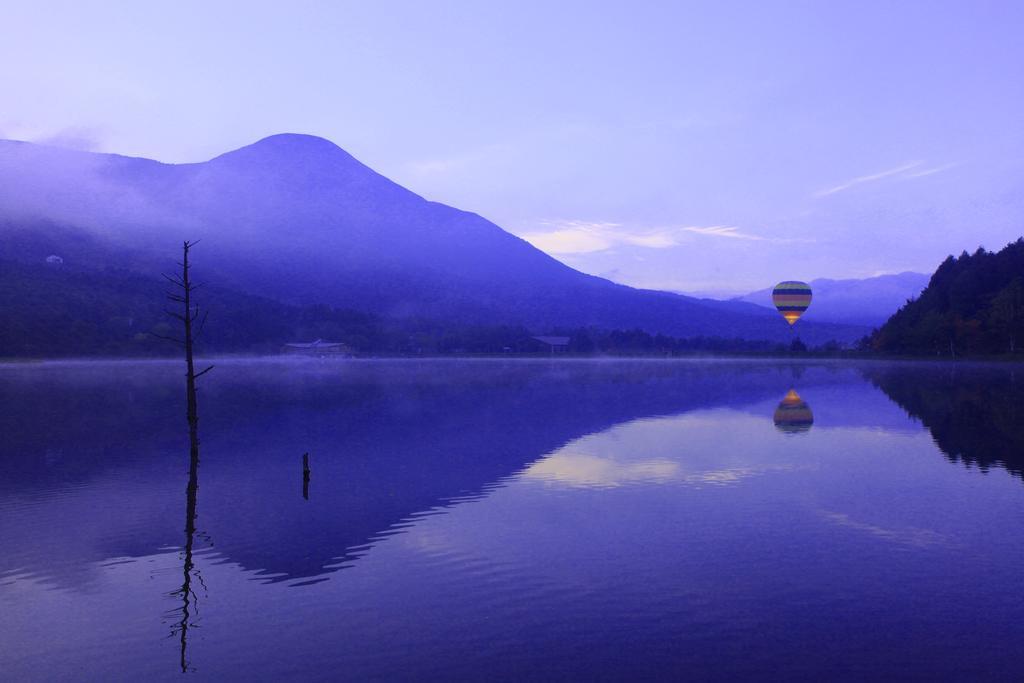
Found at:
<point>192,329</point>
<point>188,317</point>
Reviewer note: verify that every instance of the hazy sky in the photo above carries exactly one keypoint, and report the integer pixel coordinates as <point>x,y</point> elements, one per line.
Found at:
<point>690,146</point>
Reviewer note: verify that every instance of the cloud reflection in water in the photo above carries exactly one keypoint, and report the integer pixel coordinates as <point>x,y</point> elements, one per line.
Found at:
<point>677,450</point>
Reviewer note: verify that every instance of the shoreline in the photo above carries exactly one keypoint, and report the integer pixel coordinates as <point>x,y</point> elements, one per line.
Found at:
<point>15,362</point>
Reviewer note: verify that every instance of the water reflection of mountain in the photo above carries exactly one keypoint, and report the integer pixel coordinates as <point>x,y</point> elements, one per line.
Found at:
<point>104,445</point>
<point>974,413</point>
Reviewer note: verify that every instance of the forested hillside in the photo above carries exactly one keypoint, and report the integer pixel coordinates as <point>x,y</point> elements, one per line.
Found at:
<point>973,305</point>
<point>61,311</point>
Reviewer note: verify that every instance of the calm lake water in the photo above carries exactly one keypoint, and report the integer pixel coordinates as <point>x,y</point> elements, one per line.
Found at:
<point>511,520</point>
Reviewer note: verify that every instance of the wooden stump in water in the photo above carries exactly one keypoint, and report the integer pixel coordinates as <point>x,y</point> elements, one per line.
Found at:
<point>305,476</point>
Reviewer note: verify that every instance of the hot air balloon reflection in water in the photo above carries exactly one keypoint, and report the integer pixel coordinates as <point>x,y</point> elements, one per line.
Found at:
<point>791,298</point>
<point>793,416</point>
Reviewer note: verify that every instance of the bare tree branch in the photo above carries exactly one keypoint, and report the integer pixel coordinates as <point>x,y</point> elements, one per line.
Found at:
<point>173,339</point>
<point>202,324</point>
<point>173,279</point>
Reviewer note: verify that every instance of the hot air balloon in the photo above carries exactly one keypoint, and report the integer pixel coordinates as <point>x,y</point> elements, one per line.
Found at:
<point>793,415</point>
<point>791,298</point>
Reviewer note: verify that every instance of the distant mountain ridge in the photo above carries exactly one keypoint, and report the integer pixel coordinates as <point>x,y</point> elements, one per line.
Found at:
<point>867,301</point>
<point>297,219</point>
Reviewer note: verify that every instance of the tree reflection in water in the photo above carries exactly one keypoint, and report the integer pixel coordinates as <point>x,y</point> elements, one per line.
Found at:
<point>189,609</point>
<point>975,414</point>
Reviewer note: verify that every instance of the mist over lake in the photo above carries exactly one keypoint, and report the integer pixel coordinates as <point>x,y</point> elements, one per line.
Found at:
<point>512,519</point>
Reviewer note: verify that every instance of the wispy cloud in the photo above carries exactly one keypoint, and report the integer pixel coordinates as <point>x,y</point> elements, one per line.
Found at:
<point>582,237</point>
<point>575,237</point>
<point>84,138</point>
<point>932,171</point>
<point>907,171</point>
<point>860,180</point>
<point>725,231</point>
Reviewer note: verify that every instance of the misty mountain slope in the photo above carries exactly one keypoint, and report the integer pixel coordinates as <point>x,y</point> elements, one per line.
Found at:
<point>869,301</point>
<point>297,219</point>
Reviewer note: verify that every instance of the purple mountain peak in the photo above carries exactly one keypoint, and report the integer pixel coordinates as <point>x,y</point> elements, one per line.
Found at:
<point>290,149</point>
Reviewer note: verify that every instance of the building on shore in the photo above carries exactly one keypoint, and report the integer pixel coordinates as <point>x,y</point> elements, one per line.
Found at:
<point>318,348</point>
<point>555,344</point>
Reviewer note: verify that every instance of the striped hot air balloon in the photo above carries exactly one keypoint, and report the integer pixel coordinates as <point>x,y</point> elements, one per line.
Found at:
<point>791,298</point>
